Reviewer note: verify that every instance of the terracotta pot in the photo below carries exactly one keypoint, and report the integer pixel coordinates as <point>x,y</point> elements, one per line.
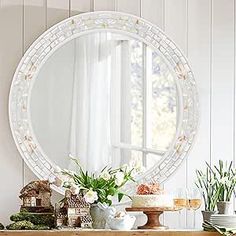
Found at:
<point>223,207</point>
<point>206,215</point>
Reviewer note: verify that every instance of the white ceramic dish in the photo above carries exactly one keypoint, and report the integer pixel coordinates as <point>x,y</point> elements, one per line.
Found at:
<point>125,223</point>
<point>228,221</point>
<point>223,216</point>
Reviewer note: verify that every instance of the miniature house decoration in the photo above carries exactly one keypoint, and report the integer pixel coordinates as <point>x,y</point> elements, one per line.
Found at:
<point>36,211</point>
<point>36,196</point>
<point>75,212</point>
<point>60,216</point>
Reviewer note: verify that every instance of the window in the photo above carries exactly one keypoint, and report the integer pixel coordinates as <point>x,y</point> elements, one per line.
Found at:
<point>146,101</point>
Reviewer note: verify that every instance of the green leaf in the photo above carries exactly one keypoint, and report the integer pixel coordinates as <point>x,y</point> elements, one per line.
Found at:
<point>103,169</point>
<point>109,202</point>
<point>120,196</point>
<point>112,191</point>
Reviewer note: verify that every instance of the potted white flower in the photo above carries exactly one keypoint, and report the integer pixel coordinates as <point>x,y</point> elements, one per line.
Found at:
<point>225,177</point>
<point>98,190</point>
<point>207,186</point>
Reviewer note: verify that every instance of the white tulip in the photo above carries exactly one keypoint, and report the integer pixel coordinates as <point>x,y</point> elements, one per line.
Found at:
<point>74,189</point>
<point>67,178</point>
<point>119,178</point>
<point>105,175</point>
<point>91,196</point>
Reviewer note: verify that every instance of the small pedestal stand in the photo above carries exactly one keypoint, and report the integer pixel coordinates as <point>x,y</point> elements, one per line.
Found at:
<point>153,216</point>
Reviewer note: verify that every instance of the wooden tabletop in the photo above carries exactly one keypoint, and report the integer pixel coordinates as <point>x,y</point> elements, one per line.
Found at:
<point>150,209</point>
<point>107,233</point>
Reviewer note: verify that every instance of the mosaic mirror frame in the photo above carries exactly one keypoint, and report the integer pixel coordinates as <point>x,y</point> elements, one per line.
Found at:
<point>34,58</point>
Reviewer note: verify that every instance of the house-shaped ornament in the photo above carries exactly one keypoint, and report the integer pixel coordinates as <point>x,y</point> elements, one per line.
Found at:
<point>77,211</point>
<point>36,197</point>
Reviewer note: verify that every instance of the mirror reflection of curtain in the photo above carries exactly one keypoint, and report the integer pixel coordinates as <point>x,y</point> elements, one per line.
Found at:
<point>100,115</point>
<point>96,72</point>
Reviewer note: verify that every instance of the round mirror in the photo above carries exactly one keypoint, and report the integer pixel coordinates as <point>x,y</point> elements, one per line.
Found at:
<point>107,88</point>
<point>106,98</point>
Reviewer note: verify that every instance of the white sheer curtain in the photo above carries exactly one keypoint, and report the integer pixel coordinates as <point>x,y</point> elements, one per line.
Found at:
<point>83,92</point>
<point>90,119</point>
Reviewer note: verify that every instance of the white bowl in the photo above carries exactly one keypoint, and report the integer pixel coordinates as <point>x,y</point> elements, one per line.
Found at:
<point>125,223</point>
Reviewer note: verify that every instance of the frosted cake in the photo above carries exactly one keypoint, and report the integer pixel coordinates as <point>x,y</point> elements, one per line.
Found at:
<point>151,195</point>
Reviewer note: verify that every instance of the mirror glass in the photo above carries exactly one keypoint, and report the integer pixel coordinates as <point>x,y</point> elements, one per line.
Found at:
<point>107,99</point>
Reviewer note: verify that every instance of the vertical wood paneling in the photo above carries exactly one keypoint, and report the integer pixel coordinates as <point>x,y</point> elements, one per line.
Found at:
<point>131,6</point>
<point>11,25</point>
<point>222,107</point>
<point>34,20</point>
<point>79,6</point>
<point>199,46</point>
<point>57,11</point>
<point>234,112</point>
<point>176,29</point>
<point>11,48</point>
<point>154,14</point>
<point>223,91</point>
<point>176,22</point>
<point>104,5</point>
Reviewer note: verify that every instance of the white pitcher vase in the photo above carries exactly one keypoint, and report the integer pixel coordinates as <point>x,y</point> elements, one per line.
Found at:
<point>100,213</point>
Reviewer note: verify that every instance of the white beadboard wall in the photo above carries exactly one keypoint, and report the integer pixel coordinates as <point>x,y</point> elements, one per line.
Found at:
<point>203,29</point>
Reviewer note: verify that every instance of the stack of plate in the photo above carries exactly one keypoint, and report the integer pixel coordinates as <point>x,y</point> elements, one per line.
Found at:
<point>227,221</point>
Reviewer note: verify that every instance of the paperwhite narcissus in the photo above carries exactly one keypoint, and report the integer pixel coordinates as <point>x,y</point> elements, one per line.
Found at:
<point>91,196</point>
<point>223,180</point>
